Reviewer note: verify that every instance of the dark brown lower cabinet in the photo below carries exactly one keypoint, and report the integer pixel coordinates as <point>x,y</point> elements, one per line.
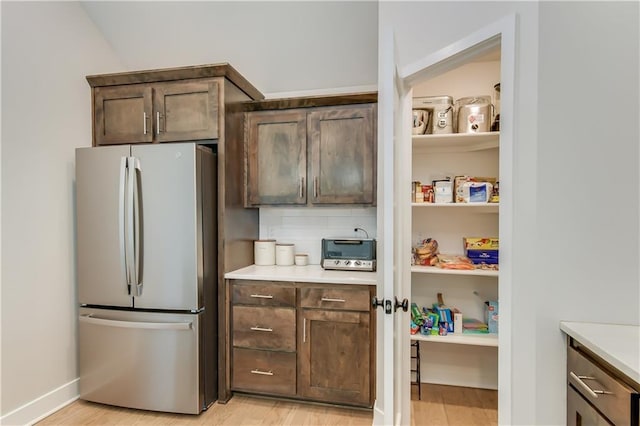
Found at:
<point>334,356</point>
<point>306,341</point>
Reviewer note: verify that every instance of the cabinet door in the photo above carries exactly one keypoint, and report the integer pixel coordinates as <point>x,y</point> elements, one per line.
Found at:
<point>185,111</point>
<point>122,114</point>
<point>334,356</point>
<point>277,157</point>
<point>342,148</point>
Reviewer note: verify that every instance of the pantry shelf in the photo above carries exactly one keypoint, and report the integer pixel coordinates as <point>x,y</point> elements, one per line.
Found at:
<point>479,207</point>
<point>436,270</point>
<point>457,339</point>
<point>456,142</point>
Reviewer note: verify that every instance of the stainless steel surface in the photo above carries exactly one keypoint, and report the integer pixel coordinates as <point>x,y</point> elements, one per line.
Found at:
<point>100,268</point>
<point>328,299</point>
<point>262,296</point>
<point>264,373</point>
<point>122,218</point>
<point>269,330</point>
<point>144,122</point>
<point>349,265</point>
<point>126,360</point>
<point>580,413</point>
<point>171,274</point>
<point>146,217</point>
<point>304,330</point>
<point>605,392</point>
<point>350,254</point>
<point>157,122</point>
<point>580,381</point>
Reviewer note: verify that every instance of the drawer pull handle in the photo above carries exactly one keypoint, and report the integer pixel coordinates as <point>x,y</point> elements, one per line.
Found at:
<point>256,328</point>
<point>263,373</point>
<point>262,296</point>
<point>593,392</point>
<point>329,299</point>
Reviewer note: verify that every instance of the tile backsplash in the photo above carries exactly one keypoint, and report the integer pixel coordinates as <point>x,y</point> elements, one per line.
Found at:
<point>307,226</point>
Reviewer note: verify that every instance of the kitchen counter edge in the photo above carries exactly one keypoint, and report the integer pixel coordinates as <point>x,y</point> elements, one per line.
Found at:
<point>617,344</point>
<point>308,274</point>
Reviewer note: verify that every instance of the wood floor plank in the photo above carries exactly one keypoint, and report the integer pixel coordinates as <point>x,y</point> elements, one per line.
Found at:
<point>439,405</point>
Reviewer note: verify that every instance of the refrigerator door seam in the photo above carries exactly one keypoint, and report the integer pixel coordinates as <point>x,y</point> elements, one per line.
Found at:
<point>122,218</point>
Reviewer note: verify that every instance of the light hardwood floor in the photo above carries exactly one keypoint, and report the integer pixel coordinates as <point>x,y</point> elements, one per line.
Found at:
<point>440,405</point>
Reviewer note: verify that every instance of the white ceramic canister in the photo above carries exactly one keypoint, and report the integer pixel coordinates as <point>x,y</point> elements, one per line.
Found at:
<point>284,254</point>
<point>302,259</point>
<point>264,252</point>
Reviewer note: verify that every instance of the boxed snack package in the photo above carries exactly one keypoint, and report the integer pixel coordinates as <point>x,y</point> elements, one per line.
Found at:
<point>482,250</point>
<point>473,189</point>
<point>491,315</point>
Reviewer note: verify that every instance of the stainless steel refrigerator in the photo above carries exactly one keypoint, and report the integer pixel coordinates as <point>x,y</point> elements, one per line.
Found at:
<point>146,270</point>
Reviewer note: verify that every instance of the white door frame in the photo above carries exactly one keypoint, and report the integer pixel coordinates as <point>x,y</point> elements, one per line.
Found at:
<point>393,400</point>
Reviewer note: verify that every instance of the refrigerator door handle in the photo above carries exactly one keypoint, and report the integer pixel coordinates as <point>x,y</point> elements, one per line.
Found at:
<point>136,225</point>
<point>122,223</point>
<point>90,319</point>
<point>130,251</point>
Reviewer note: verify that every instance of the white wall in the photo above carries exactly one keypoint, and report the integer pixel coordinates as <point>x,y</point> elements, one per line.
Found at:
<point>47,50</point>
<point>306,226</point>
<point>589,233</point>
<point>568,54</point>
<point>279,46</point>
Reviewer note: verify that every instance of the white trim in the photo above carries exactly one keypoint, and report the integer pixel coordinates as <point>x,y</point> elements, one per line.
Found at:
<point>322,92</point>
<point>43,406</point>
<point>499,33</point>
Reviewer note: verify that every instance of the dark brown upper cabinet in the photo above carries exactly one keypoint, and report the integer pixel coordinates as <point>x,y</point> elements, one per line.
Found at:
<point>311,156</point>
<point>168,105</point>
<point>162,112</point>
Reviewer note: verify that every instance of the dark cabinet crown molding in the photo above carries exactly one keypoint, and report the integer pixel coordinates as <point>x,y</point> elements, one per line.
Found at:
<point>180,73</point>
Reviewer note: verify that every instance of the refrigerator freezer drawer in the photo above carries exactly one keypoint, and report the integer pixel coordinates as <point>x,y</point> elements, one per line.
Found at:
<point>141,360</point>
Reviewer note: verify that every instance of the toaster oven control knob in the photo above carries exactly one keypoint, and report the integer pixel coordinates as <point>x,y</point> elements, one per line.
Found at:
<point>347,262</point>
<point>357,263</point>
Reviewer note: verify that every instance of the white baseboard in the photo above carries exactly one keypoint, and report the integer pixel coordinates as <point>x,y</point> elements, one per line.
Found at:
<point>42,406</point>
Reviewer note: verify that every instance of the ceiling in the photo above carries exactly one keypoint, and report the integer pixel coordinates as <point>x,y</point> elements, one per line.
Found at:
<point>279,46</point>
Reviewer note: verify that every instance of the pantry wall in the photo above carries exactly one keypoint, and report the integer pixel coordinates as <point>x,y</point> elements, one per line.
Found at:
<point>457,359</point>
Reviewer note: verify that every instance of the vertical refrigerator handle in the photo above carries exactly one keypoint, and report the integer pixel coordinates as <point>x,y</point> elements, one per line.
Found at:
<point>122,222</point>
<point>133,230</point>
<point>136,226</point>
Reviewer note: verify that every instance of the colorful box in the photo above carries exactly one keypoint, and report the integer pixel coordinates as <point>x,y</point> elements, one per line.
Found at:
<point>481,243</point>
<point>491,315</point>
<point>490,257</point>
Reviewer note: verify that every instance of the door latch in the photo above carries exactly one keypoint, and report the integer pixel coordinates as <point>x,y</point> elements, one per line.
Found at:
<point>404,305</point>
<point>388,307</point>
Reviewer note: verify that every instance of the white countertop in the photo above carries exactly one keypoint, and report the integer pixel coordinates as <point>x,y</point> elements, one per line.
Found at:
<point>619,345</point>
<point>309,274</point>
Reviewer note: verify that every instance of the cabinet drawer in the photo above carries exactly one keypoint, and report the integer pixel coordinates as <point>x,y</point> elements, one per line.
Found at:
<point>263,293</point>
<point>348,299</point>
<point>264,371</point>
<point>264,328</point>
<point>610,396</point>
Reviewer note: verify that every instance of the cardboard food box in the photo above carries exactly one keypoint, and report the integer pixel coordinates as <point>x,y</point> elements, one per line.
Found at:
<point>490,257</point>
<point>491,315</point>
<point>481,243</point>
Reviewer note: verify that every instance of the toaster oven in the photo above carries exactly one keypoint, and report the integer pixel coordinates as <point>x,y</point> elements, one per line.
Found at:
<point>349,254</point>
